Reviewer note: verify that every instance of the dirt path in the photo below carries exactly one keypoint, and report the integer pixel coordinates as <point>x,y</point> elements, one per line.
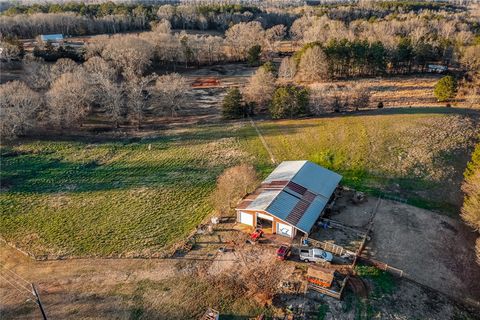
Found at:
<point>270,153</point>
<point>83,286</point>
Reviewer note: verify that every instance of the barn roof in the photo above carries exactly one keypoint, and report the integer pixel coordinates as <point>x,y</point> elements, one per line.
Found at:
<point>51,37</point>
<point>295,192</point>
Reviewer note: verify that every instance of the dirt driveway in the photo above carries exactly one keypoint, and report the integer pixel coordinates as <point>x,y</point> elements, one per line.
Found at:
<point>429,248</point>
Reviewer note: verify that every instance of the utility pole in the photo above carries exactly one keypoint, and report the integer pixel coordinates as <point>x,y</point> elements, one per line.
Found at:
<point>37,297</point>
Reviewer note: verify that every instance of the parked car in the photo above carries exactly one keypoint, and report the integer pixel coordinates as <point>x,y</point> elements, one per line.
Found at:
<point>315,255</point>
<point>283,252</point>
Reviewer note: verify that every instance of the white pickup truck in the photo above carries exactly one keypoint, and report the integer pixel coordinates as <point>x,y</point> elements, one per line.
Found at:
<point>315,255</point>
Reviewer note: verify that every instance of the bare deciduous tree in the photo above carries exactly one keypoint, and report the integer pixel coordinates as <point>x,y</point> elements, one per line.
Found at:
<point>260,88</point>
<point>9,52</point>
<point>137,97</point>
<point>171,93</point>
<point>37,74</point>
<point>98,66</point>
<point>242,36</point>
<point>163,26</point>
<point>232,185</point>
<point>130,54</point>
<point>19,106</point>
<point>69,99</point>
<point>326,98</point>
<point>62,66</point>
<point>273,36</point>
<point>313,65</point>
<point>287,69</point>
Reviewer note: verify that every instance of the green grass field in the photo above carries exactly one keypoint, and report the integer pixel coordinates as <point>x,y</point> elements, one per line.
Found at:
<point>414,156</point>
<point>124,198</point>
<point>111,198</point>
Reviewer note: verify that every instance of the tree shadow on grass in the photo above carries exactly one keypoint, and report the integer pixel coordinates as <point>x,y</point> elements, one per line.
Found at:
<point>38,173</point>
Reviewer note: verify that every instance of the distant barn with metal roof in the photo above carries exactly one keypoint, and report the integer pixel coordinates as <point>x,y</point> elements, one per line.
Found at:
<point>296,193</point>
<point>51,37</point>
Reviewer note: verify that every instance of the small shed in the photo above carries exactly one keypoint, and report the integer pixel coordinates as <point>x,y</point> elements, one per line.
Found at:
<point>320,276</point>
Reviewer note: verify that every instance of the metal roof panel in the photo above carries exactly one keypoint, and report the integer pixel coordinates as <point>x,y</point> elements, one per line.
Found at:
<point>312,214</point>
<point>282,205</point>
<point>317,179</point>
<point>263,200</point>
<point>285,171</point>
<point>46,37</point>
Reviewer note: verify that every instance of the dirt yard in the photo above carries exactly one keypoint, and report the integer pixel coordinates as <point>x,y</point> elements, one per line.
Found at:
<point>424,245</point>
<point>181,287</point>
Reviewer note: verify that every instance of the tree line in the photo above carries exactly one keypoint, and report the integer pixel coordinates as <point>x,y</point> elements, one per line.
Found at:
<point>410,40</point>
<point>267,93</point>
<point>471,188</point>
<point>84,19</point>
<point>64,94</point>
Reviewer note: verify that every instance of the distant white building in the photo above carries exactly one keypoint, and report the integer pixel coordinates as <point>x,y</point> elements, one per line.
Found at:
<point>54,39</point>
<point>438,68</point>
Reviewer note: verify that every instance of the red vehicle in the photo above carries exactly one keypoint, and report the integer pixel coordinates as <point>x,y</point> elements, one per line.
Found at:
<point>283,252</point>
<point>256,235</point>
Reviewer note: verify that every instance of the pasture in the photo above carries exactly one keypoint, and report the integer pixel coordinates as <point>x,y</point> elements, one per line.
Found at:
<point>418,154</point>
<point>117,198</point>
<point>137,197</point>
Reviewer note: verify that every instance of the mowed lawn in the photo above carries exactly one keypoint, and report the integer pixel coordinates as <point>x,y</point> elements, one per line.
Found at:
<point>417,155</point>
<point>126,198</point>
<point>136,197</point>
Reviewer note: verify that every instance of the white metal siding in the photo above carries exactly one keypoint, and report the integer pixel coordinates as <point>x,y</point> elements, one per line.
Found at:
<point>246,218</point>
<point>284,230</point>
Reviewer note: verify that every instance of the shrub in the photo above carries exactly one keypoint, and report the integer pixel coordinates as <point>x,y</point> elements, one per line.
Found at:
<point>232,104</point>
<point>253,55</point>
<point>232,185</point>
<point>269,67</point>
<point>445,89</point>
<point>380,105</point>
<point>289,102</point>
<point>327,98</point>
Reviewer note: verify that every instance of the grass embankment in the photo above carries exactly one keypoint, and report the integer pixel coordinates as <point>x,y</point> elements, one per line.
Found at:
<point>416,156</point>
<point>111,198</point>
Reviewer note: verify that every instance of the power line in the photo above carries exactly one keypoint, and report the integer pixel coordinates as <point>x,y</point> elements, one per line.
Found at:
<point>34,292</point>
<point>13,285</point>
<point>16,274</point>
<point>15,280</point>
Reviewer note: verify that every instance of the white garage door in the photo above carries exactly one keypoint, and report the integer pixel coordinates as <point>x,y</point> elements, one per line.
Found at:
<point>246,218</point>
<point>284,229</point>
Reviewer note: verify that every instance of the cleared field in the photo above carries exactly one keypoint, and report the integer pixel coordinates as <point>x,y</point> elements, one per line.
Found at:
<point>126,198</point>
<point>416,154</point>
<point>401,91</point>
<point>136,197</point>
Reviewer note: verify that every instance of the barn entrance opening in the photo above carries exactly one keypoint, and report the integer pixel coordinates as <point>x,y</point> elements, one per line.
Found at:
<point>265,224</point>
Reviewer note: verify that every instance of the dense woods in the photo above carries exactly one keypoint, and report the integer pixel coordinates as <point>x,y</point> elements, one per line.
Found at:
<point>471,187</point>
<point>333,42</point>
